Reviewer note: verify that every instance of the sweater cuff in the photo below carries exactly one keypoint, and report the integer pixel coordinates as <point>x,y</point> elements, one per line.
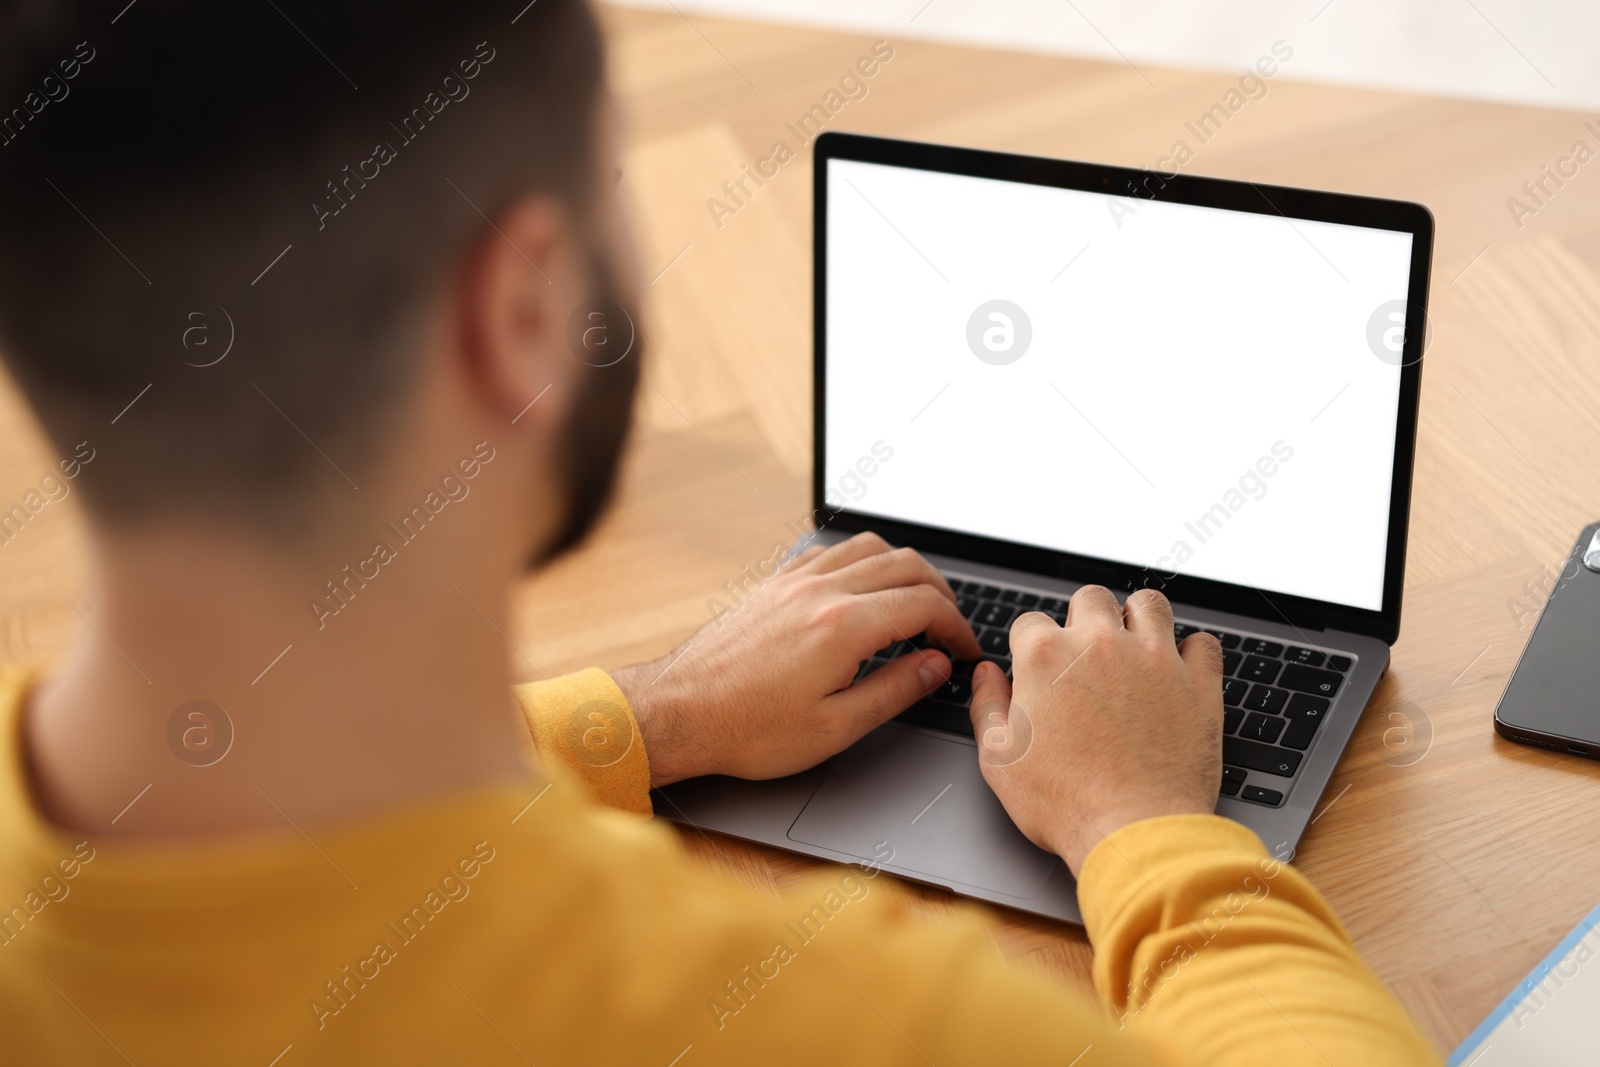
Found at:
<point>582,722</point>
<point>1154,875</point>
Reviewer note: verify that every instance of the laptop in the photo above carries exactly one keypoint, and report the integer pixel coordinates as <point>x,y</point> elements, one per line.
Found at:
<point>1044,374</point>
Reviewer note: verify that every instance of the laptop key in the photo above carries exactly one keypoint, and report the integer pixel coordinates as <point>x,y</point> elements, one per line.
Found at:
<point>1233,774</point>
<point>1266,698</point>
<point>1260,727</point>
<point>1305,713</point>
<point>1310,680</point>
<point>946,717</point>
<point>1233,691</point>
<point>1182,629</point>
<point>1260,669</point>
<point>967,605</point>
<point>1339,663</point>
<point>1024,601</point>
<point>1228,640</point>
<point>984,592</point>
<point>1262,796</point>
<point>1050,605</point>
<point>1229,788</point>
<point>1232,719</point>
<point>957,689</point>
<point>1253,755</point>
<point>1230,662</point>
<point>995,614</point>
<point>995,642</point>
<point>1308,657</point>
<point>1261,647</point>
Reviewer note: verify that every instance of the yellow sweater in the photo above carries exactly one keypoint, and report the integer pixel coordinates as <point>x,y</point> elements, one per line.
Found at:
<point>512,926</point>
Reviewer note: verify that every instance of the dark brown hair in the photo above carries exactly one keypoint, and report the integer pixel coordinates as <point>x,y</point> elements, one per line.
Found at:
<point>291,179</point>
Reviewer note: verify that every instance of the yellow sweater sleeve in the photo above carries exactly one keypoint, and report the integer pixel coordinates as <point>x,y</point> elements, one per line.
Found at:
<point>1208,948</point>
<point>583,723</point>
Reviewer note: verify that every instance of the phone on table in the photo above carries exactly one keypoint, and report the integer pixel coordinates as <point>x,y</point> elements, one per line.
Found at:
<point>1553,698</point>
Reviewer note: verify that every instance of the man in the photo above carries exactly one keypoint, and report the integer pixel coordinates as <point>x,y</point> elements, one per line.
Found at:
<point>302,284</point>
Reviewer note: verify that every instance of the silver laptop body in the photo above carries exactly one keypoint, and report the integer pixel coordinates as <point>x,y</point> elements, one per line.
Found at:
<point>933,268</point>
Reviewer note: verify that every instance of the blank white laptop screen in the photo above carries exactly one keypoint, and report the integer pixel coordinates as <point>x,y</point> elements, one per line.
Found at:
<point>1199,391</point>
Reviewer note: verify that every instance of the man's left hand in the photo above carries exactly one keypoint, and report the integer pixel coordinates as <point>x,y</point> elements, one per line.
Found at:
<point>767,689</point>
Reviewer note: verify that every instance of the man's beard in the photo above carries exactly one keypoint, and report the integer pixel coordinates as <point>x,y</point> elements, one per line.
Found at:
<point>591,444</point>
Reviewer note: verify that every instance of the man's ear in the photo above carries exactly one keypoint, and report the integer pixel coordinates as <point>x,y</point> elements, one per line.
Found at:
<point>518,285</point>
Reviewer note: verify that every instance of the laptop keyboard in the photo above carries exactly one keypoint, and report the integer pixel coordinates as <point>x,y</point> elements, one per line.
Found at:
<point>1274,696</point>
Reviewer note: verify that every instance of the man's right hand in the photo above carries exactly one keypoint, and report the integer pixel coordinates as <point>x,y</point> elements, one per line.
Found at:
<point>1109,723</point>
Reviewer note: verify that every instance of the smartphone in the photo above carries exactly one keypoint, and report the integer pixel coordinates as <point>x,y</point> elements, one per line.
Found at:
<point>1553,698</point>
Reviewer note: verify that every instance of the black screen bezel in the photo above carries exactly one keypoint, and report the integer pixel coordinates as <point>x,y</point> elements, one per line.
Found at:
<point>1311,205</point>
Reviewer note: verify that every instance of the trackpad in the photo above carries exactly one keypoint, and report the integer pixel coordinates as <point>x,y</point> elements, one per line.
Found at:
<point>917,805</point>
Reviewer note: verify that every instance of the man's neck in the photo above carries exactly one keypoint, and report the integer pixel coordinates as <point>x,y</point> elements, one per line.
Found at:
<point>207,695</point>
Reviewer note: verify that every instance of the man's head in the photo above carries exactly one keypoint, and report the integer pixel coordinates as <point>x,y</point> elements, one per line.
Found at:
<point>254,254</point>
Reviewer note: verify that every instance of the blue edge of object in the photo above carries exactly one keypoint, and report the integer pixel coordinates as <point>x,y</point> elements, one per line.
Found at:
<point>1528,985</point>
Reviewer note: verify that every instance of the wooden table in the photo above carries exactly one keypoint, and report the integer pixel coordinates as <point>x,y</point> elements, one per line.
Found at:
<point>1455,859</point>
